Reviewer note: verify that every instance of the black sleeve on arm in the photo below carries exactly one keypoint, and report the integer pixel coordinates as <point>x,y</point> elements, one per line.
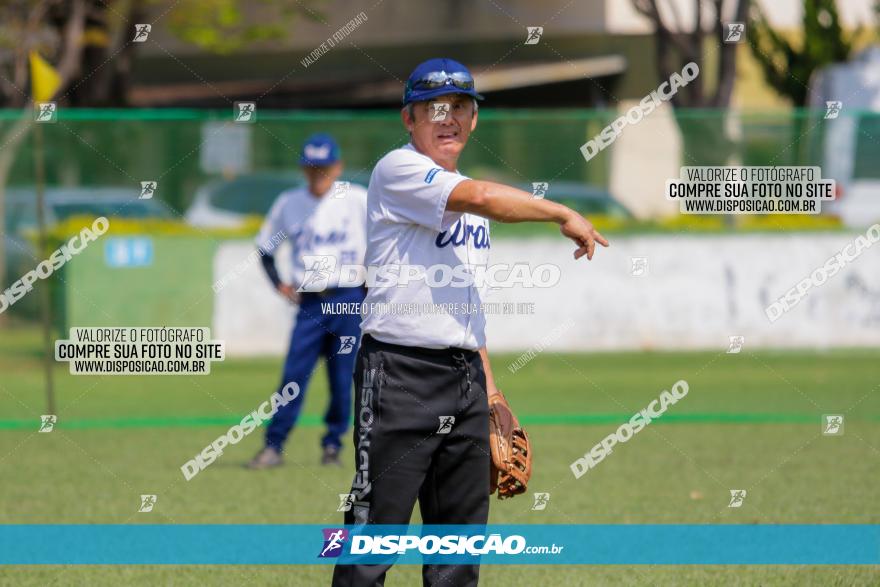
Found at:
<point>269,265</point>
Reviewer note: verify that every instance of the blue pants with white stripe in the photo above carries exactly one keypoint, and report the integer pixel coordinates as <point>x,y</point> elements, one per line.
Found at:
<point>318,333</point>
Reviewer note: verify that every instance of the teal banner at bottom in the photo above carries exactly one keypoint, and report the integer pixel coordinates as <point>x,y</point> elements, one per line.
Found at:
<point>448,544</point>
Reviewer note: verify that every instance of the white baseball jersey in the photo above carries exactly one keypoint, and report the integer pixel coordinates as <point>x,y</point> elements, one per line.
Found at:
<point>329,227</point>
<point>407,224</point>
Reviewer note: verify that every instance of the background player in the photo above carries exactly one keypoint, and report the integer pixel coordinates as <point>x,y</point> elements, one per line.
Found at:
<point>324,222</point>
<point>424,370</point>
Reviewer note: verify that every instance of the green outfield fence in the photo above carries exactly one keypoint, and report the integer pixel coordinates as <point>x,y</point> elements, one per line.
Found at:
<point>122,147</point>
<point>185,149</point>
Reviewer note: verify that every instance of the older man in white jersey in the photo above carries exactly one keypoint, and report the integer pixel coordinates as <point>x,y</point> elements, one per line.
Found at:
<point>422,381</point>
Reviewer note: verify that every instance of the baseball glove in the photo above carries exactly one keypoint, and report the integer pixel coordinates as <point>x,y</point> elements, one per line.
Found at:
<point>511,464</point>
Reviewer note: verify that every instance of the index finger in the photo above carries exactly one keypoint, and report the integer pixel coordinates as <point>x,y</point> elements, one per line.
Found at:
<point>601,239</point>
<point>591,247</point>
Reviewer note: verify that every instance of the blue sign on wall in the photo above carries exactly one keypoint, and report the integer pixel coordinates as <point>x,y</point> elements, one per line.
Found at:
<point>128,252</point>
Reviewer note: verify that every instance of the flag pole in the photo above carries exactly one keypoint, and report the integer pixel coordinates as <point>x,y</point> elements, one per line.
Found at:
<point>45,83</point>
<point>46,305</point>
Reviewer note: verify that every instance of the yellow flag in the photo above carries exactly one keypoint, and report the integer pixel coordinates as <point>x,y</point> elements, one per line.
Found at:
<point>44,79</point>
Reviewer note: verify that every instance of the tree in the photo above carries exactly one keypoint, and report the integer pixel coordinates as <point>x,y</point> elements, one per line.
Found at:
<point>91,44</point>
<point>23,25</point>
<point>788,68</point>
<point>678,43</point>
<point>92,40</point>
<point>224,26</point>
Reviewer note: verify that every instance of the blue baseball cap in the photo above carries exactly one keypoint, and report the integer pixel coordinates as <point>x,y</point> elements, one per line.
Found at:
<point>318,150</point>
<point>438,77</point>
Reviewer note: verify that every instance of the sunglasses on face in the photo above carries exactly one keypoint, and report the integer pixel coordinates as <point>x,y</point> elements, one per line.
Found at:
<point>438,79</point>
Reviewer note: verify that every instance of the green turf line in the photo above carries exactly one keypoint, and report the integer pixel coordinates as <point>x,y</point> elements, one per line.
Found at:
<point>530,420</point>
<point>698,417</point>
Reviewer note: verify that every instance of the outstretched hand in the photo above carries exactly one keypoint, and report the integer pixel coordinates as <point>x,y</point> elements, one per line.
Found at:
<point>584,235</point>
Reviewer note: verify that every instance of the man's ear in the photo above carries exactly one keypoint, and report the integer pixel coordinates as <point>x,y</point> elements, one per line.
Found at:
<point>405,118</point>
<point>474,120</point>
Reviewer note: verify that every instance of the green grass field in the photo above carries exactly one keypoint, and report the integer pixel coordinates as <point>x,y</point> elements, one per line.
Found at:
<point>751,421</point>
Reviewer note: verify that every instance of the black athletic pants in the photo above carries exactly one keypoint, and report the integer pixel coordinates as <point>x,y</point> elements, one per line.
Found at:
<point>407,448</point>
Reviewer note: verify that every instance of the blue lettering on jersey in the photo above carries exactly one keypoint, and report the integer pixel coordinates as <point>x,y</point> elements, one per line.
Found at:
<point>458,236</point>
<point>308,239</point>
<point>431,173</point>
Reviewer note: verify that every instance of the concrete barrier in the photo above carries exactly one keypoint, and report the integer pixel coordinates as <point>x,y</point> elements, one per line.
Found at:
<point>696,293</point>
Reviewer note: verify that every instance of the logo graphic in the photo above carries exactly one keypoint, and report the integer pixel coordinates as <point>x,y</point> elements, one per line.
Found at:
<point>346,500</point>
<point>736,344</point>
<point>346,345</point>
<point>148,188</point>
<point>832,109</point>
<point>340,189</point>
<point>541,501</point>
<point>734,32</point>
<point>737,497</point>
<point>429,177</point>
<point>369,378</point>
<point>832,425</point>
<point>446,423</point>
<point>533,34</point>
<point>245,112</point>
<point>539,189</point>
<point>462,233</point>
<point>439,111</point>
<point>47,422</point>
<point>141,32</point>
<point>639,266</point>
<point>318,272</point>
<point>46,112</point>
<point>316,151</point>
<point>333,541</point>
<point>147,503</point>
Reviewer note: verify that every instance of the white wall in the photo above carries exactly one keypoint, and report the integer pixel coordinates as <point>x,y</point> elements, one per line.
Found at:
<point>643,158</point>
<point>699,291</point>
<point>247,311</point>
